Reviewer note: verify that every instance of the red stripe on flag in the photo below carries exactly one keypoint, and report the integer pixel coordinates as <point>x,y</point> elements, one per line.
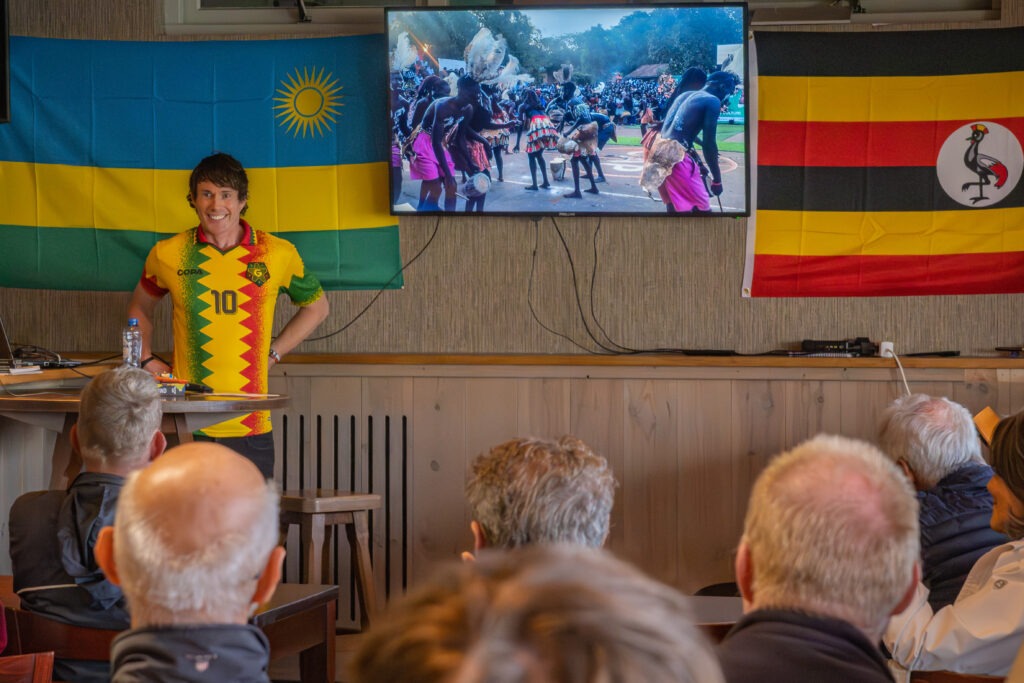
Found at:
<point>859,143</point>
<point>805,276</point>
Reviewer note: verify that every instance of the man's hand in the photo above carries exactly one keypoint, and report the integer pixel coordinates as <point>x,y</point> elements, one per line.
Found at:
<point>716,188</point>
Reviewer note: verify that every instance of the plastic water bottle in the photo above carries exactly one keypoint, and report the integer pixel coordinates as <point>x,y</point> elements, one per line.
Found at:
<point>131,343</point>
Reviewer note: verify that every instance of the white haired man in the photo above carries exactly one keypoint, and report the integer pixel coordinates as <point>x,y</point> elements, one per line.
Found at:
<point>982,631</point>
<point>194,546</point>
<point>935,441</point>
<point>533,490</point>
<point>829,553</point>
<point>544,614</point>
<point>53,532</point>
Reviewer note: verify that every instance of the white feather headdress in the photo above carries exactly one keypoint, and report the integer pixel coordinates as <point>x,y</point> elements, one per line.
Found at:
<point>510,76</point>
<point>484,55</point>
<point>405,53</point>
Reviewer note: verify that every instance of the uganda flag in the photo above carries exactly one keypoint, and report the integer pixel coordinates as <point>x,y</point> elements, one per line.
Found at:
<point>888,164</point>
<point>94,165</point>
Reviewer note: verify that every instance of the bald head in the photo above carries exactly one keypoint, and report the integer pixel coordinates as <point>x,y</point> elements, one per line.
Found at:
<point>200,491</point>
<point>194,532</point>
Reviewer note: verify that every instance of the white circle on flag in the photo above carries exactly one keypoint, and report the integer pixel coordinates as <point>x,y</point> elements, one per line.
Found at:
<point>984,179</point>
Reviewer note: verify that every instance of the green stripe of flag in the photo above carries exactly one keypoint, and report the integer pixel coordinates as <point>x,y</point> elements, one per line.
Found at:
<point>110,260</point>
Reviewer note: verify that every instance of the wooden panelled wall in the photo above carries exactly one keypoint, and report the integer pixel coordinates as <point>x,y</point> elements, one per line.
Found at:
<point>685,443</point>
<point>659,283</point>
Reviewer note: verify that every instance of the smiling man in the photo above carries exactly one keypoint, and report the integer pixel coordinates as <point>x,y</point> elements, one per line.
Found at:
<point>224,277</point>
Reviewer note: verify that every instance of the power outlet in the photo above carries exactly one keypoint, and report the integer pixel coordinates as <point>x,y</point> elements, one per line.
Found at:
<point>886,350</point>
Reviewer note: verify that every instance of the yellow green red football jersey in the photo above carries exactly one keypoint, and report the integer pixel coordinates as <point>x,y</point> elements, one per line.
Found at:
<point>223,310</point>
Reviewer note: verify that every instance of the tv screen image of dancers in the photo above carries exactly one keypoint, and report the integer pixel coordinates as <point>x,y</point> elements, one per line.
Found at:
<point>636,110</point>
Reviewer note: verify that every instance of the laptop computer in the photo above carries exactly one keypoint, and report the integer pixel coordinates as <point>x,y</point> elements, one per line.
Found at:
<point>11,363</point>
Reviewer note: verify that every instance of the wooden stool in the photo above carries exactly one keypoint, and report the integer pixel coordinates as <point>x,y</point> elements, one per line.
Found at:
<point>316,509</point>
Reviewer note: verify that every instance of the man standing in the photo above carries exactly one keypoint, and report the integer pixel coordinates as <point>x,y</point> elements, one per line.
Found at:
<point>53,532</point>
<point>194,546</point>
<point>829,552</point>
<point>935,442</point>
<point>224,277</point>
<point>446,125</point>
<point>583,130</point>
<point>696,121</point>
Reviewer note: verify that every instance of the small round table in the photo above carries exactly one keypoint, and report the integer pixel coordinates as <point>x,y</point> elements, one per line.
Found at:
<point>57,411</point>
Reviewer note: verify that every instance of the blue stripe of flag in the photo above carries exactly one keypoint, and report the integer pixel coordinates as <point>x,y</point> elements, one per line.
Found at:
<point>166,105</point>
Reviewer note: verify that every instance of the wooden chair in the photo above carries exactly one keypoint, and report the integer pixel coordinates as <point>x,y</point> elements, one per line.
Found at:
<point>30,632</point>
<point>316,509</point>
<point>951,677</point>
<point>36,667</point>
<point>7,595</point>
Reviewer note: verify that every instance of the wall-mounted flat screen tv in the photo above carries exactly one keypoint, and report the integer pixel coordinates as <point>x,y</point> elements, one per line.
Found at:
<point>635,110</point>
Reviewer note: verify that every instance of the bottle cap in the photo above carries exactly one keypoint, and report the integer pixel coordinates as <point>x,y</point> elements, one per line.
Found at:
<point>133,321</point>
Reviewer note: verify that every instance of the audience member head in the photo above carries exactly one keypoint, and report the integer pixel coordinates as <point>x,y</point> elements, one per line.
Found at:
<point>194,538</point>
<point>545,614</point>
<point>1006,455</point>
<point>223,170</point>
<point>540,491</point>
<point>118,427</point>
<point>832,530</point>
<point>930,438</point>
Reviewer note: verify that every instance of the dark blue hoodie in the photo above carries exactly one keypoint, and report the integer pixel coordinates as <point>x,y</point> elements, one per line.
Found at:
<point>955,531</point>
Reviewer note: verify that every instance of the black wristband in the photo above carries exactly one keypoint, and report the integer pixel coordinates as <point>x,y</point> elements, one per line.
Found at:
<point>143,363</point>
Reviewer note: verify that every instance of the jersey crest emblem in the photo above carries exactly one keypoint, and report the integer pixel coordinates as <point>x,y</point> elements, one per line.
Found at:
<point>257,272</point>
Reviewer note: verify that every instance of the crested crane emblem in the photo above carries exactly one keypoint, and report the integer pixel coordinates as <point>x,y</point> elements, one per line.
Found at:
<point>990,170</point>
<point>980,163</point>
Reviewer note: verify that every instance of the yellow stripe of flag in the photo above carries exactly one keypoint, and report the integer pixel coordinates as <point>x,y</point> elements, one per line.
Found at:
<point>313,198</point>
<point>892,233</point>
<point>892,98</point>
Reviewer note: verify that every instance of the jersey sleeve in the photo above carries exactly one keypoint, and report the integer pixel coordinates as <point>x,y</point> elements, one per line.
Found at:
<point>152,280</point>
<point>302,287</point>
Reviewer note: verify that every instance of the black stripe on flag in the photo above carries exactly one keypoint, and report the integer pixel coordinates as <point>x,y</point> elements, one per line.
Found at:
<point>861,188</point>
<point>899,53</point>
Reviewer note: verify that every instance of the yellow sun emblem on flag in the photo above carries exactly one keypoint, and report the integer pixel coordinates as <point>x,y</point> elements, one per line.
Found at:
<point>309,102</point>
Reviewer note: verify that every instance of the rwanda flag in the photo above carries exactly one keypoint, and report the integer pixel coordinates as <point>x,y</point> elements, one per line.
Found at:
<point>889,164</point>
<point>94,165</point>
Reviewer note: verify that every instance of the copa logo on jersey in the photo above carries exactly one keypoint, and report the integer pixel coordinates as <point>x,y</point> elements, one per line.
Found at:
<point>257,273</point>
<point>184,272</point>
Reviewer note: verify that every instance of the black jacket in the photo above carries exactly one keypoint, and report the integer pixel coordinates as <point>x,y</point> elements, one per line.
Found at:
<point>52,539</point>
<point>782,646</point>
<point>182,654</point>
